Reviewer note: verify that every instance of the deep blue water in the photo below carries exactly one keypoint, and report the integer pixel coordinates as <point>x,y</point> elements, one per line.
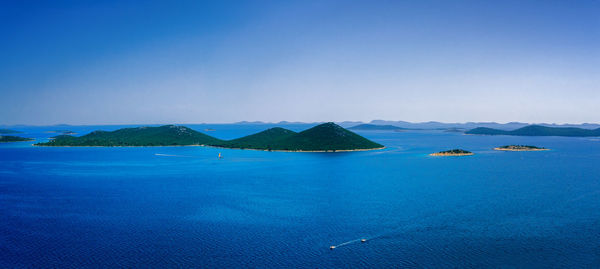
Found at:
<point>128,207</point>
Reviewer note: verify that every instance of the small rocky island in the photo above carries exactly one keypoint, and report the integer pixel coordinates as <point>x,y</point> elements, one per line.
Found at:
<point>453,152</point>
<point>10,138</point>
<point>520,148</point>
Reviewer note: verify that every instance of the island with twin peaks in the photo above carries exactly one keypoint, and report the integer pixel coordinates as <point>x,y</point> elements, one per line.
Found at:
<point>326,137</point>
<point>520,148</point>
<point>453,152</point>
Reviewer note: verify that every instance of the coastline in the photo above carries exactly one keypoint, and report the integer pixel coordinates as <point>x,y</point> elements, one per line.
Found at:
<point>450,154</point>
<point>328,151</point>
<point>29,140</point>
<point>505,149</point>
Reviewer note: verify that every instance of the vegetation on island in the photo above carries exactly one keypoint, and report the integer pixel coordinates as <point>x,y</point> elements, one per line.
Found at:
<point>8,131</point>
<point>267,139</point>
<point>168,135</point>
<point>10,138</point>
<point>520,148</point>
<point>323,137</point>
<point>64,132</point>
<point>537,130</point>
<point>452,152</point>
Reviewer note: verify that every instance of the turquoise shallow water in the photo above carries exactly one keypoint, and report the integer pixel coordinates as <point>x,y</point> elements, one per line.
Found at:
<point>182,207</point>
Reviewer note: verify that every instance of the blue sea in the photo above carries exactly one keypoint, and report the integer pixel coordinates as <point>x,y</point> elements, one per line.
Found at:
<point>183,207</point>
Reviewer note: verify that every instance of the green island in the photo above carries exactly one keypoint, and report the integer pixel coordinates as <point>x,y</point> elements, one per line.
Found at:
<point>520,148</point>
<point>453,152</point>
<point>8,131</point>
<point>64,132</point>
<point>10,138</point>
<point>537,130</point>
<point>327,137</point>
<point>168,135</point>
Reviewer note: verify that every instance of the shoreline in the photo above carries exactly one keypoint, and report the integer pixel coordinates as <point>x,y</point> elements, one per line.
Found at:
<point>505,149</point>
<point>327,151</point>
<point>281,150</point>
<point>29,140</point>
<point>450,154</point>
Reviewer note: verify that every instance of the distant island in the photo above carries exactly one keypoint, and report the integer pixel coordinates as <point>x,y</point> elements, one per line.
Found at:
<point>520,148</point>
<point>327,137</point>
<point>388,127</point>
<point>374,127</point>
<point>65,132</point>
<point>10,138</point>
<point>472,125</point>
<point>453,152</point>
<point>537,130</point>
<point>454,130</point>
<point>8,131</point>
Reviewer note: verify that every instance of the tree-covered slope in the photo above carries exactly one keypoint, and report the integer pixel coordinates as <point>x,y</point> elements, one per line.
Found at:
<point>267,139</point>
<point>168,135</point>
<point>536,130</point>
<point>324,137</point>
<point>10,138</point>
<point>327,136</point>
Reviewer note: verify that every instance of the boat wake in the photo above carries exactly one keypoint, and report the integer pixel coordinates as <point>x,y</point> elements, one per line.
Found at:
<point>170,155</point>
<point>349,242</point>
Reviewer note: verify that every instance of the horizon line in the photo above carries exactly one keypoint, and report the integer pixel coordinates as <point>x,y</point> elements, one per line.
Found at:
<point>301,122</point>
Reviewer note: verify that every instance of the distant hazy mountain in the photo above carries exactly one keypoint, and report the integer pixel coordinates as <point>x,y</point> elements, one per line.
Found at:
<point>374,127</point>
<point>249,122</point>
<point>472,125</point>
<point>347,124</point>
<point>290,122</point>
<point>537,130</point>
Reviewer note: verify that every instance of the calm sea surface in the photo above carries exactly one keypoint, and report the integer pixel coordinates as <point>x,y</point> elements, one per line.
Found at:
<point>182,207</point>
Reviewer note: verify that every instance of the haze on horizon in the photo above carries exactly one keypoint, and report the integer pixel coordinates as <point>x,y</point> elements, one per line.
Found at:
<point>125,62</point>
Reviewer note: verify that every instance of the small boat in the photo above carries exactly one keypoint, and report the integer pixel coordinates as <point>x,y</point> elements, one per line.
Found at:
<point>220,157</point>
<point>331,247</point>
<point>363,240</point>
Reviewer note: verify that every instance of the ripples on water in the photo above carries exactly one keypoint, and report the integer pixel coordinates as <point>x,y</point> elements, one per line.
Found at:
<point>181,207</point>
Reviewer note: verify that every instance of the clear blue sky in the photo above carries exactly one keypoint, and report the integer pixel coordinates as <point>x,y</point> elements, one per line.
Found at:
<point>100,62</point>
